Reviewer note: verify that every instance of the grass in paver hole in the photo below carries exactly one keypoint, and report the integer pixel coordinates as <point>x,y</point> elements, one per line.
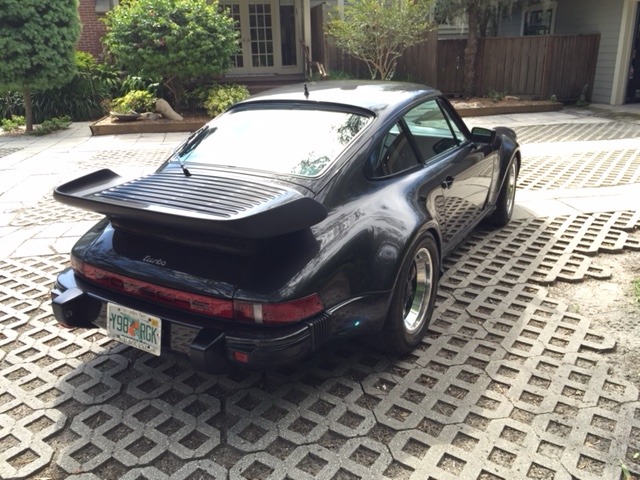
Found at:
<point>626,474</point>
<point>636,289</point>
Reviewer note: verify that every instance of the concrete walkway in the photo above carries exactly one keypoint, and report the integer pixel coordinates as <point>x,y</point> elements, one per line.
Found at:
<point>31,167</point>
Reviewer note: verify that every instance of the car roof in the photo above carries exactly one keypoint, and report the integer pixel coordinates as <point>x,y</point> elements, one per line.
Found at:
<point>372,95</point>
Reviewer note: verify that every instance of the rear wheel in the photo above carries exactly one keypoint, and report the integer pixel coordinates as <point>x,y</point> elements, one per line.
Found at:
<point>413,298</point>
<point>506,199</point>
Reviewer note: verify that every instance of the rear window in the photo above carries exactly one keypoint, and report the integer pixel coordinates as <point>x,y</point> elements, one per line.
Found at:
<point>282,140</point>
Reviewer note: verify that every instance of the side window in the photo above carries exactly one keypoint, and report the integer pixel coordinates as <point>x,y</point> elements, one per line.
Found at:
<point>461,137</point>
<point>433,130</point>
<point>423,132</point>
<point>394,154</point>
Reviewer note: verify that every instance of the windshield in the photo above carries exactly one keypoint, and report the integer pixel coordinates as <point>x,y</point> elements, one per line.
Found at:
<point>287,141</point>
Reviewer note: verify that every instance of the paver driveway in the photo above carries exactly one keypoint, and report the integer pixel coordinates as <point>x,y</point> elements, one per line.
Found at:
<point>509,384</point>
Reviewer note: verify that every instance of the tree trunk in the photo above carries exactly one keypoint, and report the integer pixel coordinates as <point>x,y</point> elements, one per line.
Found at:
<point>471,51</point>
<point>28,109</point>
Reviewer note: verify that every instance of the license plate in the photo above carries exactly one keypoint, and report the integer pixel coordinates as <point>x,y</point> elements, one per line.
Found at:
<point>134,328</point>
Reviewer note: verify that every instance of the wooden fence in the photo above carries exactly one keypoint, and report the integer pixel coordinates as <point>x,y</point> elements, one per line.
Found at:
<point>418,62</point>
<point>532,66</point>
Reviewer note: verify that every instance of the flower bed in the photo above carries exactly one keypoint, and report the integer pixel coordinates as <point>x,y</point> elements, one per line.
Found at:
<point>109,126</point>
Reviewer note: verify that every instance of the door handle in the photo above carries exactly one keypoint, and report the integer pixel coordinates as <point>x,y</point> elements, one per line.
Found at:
<point>447,182</point>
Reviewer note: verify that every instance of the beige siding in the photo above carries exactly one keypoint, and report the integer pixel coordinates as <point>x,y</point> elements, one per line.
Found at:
<point>589,16</point>
<point>585,16</point>
<point>512,25</point>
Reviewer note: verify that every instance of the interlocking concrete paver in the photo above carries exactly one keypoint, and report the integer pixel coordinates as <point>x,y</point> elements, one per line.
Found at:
<point>575,131</point>
<point>508,384</point>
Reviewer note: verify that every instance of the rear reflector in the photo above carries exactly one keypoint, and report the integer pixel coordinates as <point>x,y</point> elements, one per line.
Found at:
<point>241,357</point>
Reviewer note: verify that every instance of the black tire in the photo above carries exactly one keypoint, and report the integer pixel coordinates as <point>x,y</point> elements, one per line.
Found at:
<point>506,199</point>
<point>413,299</point>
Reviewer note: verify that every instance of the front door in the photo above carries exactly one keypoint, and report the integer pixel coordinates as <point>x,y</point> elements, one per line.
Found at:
<point>269,36</point>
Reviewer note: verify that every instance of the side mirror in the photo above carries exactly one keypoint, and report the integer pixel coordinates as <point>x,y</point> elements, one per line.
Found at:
<point>484,136</point>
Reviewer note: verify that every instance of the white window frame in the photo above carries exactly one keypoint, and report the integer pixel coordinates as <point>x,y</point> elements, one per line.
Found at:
<point>540,8</point>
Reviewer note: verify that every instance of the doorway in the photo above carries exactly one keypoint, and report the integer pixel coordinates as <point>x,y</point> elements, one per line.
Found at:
<point>633,83</point>
<point>269,33</point>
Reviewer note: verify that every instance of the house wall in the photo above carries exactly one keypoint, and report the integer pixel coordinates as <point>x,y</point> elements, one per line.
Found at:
<point>512,25</point>
<point>586,16</point>
<point>92,28</point>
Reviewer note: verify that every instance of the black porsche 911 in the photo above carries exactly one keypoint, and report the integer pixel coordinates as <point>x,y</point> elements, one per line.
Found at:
<point>301,215</point>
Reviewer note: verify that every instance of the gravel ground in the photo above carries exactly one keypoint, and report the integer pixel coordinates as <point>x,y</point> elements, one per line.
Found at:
<point>613,308</point>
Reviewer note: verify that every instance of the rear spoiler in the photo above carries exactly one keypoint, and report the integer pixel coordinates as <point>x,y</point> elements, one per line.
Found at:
<point>203,204</point>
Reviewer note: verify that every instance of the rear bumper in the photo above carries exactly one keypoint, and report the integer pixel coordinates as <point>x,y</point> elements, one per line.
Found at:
<point>211,345</point>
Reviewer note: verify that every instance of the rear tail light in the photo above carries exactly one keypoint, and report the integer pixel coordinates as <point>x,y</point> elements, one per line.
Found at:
<point>278,313</point>
<point>191,302</point>
<point>261,313</point>
<point>77,264</point>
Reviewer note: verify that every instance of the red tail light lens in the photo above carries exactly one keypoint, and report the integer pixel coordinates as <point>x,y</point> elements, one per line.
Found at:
<point>261,313</point>
<point>192,302</point>
<point>278,313</point>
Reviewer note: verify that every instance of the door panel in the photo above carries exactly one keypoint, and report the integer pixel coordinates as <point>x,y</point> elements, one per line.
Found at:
<point>289,44</point>
<point>261,35</point>
<point>233,9</point>
<point>467,181</point>
<point>466,174</point>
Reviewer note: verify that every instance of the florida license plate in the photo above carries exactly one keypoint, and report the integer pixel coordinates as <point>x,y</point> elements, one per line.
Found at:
<point>134,328</point>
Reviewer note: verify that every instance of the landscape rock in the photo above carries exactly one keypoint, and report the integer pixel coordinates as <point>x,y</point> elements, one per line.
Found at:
<point>163,107</point>
<point>152,116</point>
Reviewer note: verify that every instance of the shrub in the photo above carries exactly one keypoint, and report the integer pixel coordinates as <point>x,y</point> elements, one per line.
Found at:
<point>136,100</point>
<point>496,96</point>
<point>221,97</point>
<point>79,104</point>
<point>195,98</point>
<point>81,99</point>
<point>12,124</point>
<point>11,104</point>
<point>378,31</point>
<point>134,82</point>
<point>176,40</point>
<point>104,80</point>
<point>52,125</point>
<point>336,75</point>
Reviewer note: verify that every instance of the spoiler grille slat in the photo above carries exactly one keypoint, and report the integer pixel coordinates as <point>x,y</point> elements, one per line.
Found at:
<point>223,182</point>
<point>198,195</point>
<point>216,196</point>
<point>202,204</point>
<point>256,191</point>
